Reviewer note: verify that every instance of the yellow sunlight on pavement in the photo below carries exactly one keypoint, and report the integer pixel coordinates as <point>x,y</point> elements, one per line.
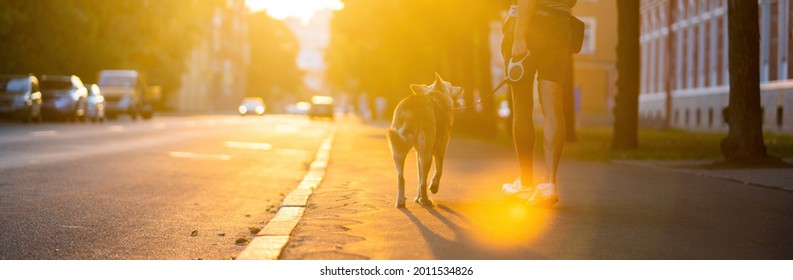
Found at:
<point>500,223</point>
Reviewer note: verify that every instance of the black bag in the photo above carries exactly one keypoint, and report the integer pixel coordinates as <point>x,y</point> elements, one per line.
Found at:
<point>576,34</point>
<point>576,28</point>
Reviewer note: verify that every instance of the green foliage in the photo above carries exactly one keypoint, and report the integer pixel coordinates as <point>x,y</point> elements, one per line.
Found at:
<point>82,37</point>
<point>273,72</point>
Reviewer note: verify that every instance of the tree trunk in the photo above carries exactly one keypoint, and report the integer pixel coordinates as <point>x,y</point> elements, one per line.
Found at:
<point>744,143</point>
<point>626,108</point>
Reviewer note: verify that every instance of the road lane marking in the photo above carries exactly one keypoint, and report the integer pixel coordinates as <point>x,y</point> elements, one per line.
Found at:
<point>45,133</point>
<point>189,155</point>
<point>116,128</point>
<point>271,240</point>
<point>287,128</point>
<point>249,145</point>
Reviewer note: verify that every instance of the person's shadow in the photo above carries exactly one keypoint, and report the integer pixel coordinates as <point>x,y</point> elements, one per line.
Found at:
<point>463,245</point>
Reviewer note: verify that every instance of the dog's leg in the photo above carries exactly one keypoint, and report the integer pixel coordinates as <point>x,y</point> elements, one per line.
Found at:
<point>399,161</point>
<point>424,165</point>
<point>439,154</point>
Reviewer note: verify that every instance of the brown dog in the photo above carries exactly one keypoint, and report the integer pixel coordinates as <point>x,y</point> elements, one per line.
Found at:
<point>423,121</point>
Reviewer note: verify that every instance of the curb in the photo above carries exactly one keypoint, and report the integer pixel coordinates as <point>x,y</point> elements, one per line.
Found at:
<point>270,241</point>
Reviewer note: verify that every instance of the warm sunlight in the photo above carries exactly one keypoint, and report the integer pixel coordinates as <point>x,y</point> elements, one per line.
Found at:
<point>303,9</point>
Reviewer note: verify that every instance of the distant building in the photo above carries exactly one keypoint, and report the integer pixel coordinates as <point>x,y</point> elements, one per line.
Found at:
<point>314,37</point>
<point>217,69</point>
<point>685,43</point>
<point>595,66</point>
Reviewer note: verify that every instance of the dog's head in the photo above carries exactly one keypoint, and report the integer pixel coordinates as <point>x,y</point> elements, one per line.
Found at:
<point>441,90</point>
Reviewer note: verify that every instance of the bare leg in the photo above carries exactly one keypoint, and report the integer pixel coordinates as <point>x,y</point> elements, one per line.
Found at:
<point>554,126</point>
<point>523,127</point>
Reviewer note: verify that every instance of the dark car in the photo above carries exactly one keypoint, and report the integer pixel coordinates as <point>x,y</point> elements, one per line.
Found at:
<point>95,111</point>
<point>321,106</point>
<point>20,97</point>
<point>65,98</point>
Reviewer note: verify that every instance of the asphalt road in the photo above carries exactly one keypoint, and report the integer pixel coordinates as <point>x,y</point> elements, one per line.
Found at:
<point>142,190</point>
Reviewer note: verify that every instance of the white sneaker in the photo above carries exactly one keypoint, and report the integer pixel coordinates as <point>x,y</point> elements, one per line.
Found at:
<point>544,195</point>
<point>510,189</point>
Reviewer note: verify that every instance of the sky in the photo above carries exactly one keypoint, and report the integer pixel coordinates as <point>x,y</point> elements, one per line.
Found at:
<point>302,9</point>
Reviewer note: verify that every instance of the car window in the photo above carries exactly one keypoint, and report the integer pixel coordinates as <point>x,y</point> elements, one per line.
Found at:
<point>55,85</point>
<point>117,81</point>
<point>14,85</point>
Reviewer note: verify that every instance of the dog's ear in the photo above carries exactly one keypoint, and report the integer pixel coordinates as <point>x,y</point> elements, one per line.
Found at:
<point>456,91</point>
<point>420,89</point>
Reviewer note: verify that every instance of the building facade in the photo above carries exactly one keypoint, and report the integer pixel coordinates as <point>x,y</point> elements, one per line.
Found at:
<point>217,69</point>
<point>685,65</point>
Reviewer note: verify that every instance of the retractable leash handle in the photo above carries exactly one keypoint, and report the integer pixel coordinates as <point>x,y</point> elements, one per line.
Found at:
<point>515,73</point>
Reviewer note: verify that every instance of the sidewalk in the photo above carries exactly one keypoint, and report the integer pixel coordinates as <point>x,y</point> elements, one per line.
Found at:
<point>607,211</point>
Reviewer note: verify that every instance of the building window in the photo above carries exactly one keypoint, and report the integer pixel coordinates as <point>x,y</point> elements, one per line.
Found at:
<point>773,48</point>
<point>710,117</point>
<point>699,117</point>
<point>779,116</point>
<point>590,31</point>
<point>687,117</point>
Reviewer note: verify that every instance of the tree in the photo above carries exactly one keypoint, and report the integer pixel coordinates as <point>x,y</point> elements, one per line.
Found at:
<point>626,109</point>
<point>381,47</point>
<point>744,142</point>
<point>273,72</point>
<point>82,37</point>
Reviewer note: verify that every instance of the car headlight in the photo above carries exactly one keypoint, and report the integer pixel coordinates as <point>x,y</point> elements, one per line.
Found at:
<point>243,109</point>
<point>259,110</point>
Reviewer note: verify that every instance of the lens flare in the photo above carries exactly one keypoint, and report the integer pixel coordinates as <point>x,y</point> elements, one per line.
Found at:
<point>501,223</point>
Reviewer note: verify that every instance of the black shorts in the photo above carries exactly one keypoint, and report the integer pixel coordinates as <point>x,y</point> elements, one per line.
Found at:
<point>548,41</point>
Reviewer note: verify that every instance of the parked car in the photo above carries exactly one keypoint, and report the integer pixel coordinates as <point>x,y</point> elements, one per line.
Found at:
<point>321,106</point>
<point>252,105</point>
<point>64,97</point>
<point>20,97</point>
<point>125,93</point>
<point>96,104</point>
<point>299,108</point>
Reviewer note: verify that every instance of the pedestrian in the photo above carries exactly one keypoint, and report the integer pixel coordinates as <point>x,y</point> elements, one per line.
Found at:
<point>537,42</point>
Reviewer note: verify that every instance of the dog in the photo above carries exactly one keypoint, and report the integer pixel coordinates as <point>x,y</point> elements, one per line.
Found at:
<point>423,121</point>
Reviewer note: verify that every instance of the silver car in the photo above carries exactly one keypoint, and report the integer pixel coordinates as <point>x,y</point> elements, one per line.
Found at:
<point>95,110</point>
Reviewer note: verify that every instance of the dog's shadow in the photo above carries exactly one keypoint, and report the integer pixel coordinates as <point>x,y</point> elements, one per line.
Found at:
<point>463,245</point>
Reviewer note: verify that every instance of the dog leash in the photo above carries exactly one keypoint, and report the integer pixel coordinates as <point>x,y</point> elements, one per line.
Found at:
<point>501,84</point>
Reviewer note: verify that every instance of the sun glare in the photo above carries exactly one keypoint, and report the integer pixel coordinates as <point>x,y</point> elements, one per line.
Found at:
<point>303,9</point>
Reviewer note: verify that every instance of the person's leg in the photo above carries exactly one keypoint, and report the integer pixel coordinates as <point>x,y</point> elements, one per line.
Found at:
<point>523,126</point>
<point>554,126</point>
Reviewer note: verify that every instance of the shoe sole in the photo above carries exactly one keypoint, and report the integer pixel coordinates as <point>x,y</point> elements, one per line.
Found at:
<point>546,203</point>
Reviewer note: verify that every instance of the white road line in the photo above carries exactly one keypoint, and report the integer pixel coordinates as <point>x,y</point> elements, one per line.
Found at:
<point>249,145</point>
<point>45,133</point>
<point>286,128</point>
<point>116,128</point>
<point>189,155</point>
<point>270,241</point>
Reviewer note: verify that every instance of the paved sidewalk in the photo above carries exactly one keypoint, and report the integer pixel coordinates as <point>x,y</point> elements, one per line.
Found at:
<point>607,211</point>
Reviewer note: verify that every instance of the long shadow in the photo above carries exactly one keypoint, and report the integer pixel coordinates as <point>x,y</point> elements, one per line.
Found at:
<point>463,245</point>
